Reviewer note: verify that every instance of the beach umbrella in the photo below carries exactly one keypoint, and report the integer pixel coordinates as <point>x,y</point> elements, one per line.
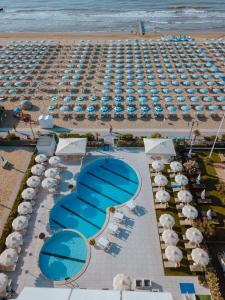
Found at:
<point>24,208</point>
<point>173,254</point>
<point>176,166</point>
<point>14,240</point>
<point>33,181</point>
<point>52,173</point>
<point>185,108</point>
<point>212,107</point>
<point>194,235</point>
<point>122,282</point>
<point>170,237</point>
<point>168,99</point>
<point>207,99</point>
<point>167,221</point>
<point>37,169</point>
<point>160,180</point>
<point>54,161</point>
<point>220,98</point>
<point>158,165</point>
<point>90,108</point>
<point>184,196</point>
<point>203,91</point>
<point>195,99</point>
<point>200,257</point>
<point>131,109</point>
<point>144,108</point>
<point>28,193</point>
<point>199,108</point>
<point>154,91</point>
<point>80,99</point>
<point>190,212</point>
<point>203,194</point>
<point>104,109</point>
<point>64,108</point>
<point>158,109</point>
<point>49,183</point>
<point>67,99</point>
<point>20,223</point>
<point>8,258</point>
<point>181,179</point>
<point>55,99</point>
<point>40,158</point>
<point>155,99</point>
<point>143,99</point>
<point>181,99</point>
<point>162,196</point>
<point>77,108</point>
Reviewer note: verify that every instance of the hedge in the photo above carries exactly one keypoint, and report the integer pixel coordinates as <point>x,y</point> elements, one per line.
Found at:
<point>89,136</point>
<point>7,229</point>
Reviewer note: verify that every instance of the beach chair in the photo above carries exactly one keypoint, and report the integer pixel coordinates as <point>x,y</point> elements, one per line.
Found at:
<point>103,243</point>
<point>113,228</point>
<point>131,205</point>
<point>118,216</point>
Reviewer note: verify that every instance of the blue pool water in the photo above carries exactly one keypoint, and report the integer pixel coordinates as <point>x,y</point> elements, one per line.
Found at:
<point>63,255</point>
<point>104,183</point>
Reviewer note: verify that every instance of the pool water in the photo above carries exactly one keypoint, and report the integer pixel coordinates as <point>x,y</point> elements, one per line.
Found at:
<point>104,183</point>
<point>63,255</point>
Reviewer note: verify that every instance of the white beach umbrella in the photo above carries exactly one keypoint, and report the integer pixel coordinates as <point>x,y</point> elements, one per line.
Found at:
<point>4,281</point>
<point>37,169</point>
<point>8,258</point>
<point>52,173</point>
<point>158,165</point>
<point>160,180</point>
<point>167,221</point>
<point>190,212</point>
<point>122,282</point>
<point>41,158</point>
<point>181,179</point>
<point>24,208</point>
<point>194,235</point>
<point>200,257</point>
<point>20,223</point>
<point>33,181</point>
<point>176,166</point>
<point>162,196</point>
<point>54,161</point>
<point>49,183</point>
<point>170,237</point>
<point>203,195</point>
<point>28,194</point>
<point>184,196</point>
<point>174,254</point>
<point>14,240</point>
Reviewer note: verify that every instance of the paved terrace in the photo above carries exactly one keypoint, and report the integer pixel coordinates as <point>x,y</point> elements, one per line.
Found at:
<point>135,252</point>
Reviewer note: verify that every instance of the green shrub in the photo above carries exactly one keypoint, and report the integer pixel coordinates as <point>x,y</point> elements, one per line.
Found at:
<point>12,137</point>
<point>89,136</point>
<point>112,209</point>
<point>156,135</point>
<point>92,242</point>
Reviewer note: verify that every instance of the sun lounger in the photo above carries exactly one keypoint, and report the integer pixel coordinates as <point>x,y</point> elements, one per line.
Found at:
<point>160,206</point>
<point>113,228</point>
<point>180,215</point>
<point>155,189</point>
<point>204,201</point>
<point>176,189</point>
<point>179,206</point>
<point>118,216</point>
<point>161,230</point>
<point>189,245</point>
<point>196,268</point>
<point>185,222</point>
<point>169,264</point>
<point>103,243</point>
<point>131,205</point>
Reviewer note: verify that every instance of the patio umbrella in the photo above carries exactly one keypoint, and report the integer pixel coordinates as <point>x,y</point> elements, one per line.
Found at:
<point>122,282</point>
<point>176,166</point>
<point>25,208</point>
<point>184,196</point>
<point>37,169</point>
<point>20,223</point>
<point>4,281</point>
<point>41,158</point>
<point>181,179</point>
<point>170,237</point>
<point>33,181</point>
<point>190,212</point>
<point>203,194</point>
<point>158,165</point>
<point>52,173</point>
<point>17,110</point>
<point>200,257</point>
<point>90,108</point>
<point>8,258</point>
<point>162,196</point>
<point>28,194</point>
<point>160,180</point>
<point>194,235</point>
<point>77,108</point>
<point>173,254</point>
<point>118,109</point>
<point>64,108</point>
<point>49,183</point>
<point>54,161</point>
<point>166,220</point>
<point>14,240</point>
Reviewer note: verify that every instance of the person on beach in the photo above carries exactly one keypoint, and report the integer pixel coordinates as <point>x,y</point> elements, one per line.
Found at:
<point>110,129</point>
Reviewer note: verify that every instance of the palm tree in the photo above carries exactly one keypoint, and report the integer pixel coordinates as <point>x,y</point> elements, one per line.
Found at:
<point>196,133</point>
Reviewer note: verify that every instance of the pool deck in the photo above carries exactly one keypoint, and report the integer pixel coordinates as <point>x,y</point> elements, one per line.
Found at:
<point>135,251</point>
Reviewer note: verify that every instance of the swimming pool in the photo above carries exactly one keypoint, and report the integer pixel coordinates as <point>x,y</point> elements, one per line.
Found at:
<point>63,255</point>
<point>103,183</point>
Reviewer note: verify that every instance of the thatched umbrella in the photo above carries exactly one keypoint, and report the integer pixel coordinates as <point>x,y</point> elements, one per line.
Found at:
<point>4,281</point>
<point>38,169</point>
<point>54,161</point>
<point>8,258</point>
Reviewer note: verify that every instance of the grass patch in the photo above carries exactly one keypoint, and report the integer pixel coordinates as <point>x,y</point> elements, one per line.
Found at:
<point>203,297</point>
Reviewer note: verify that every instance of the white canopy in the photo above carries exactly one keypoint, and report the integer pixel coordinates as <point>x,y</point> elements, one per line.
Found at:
<point>71,146</point>
<point>159,147</point>
<point>167,221</point>
<point>184,196</point>
<point>160,180</point>
<point>162,196</point>
<point>49,183</point>
<point>203,195</point>
<point>4,280</point>
<point>52,173</point>
<point>190,212</point>
<point>200,257</point>
<point>194,235</point>
<point>158,165</point>
<point>37,169</point>
<point>40,158</point>
<point>176,166</point>
<point>28,194</point>
<point>170,237</point>
<point>25,208</point>
<point>8,258</point>
<point>33,181</point>
<point>14,240</point>
<point>20,223</point>
<point>174,254</point>
<point>122,282</point>
<point>54,161</point>
<point>181,179</point>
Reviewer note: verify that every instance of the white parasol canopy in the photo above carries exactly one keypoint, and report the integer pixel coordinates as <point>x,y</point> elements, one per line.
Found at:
<point>158,165</point>
<point>190,212</point>
<point>33,181</point>
<point>20,223</point>
<point>160,180</point>
<point>54,161</point>
<point>4,280</point>
<point>176,166</point>
<point>194,235</point>
<point>170,237</point>
<point>25,208</point>
<point>181,179</point>
<point>162,196</point>
<point>167,221</point>
<point>49,183</point>
<point>8,258</point>
<point>52,173</point>
<point>37,169</point>
<point>184,196</point>
<point>203,195</point>
<point>174,254</point>
<point>41,158</point>
<point>14,240</point>
<point>28,194</point>
<point>122,282</point>
<point>200,257</point>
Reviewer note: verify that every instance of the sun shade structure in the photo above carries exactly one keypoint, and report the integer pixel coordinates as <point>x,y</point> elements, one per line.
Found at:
<point>160,180</point>
<point>158,165</point>
<point>40,158</point>
<point>184,196</point>
<point>49,183</point>
<point>200,257</point>
<point>122,282</point>
<point>14,240</point>
<point>71,147</point>
<point>52,173</point>
<point>176,166</point>
<point>54,161</point>
<point>25,208</point>
<point>190,212</point>
<point>4,281</point>
<point>181,179</point>
<point>33,181</point>
<point>28,194</point>
<point>162,196</point>
<point>8,258</point>
<point>37,169</point>
<point>160,148</point>
<point>194,235</point>
<point>170,237</point>
<point>167,221</point>
<point>20,223</point>
<point>173,254</point>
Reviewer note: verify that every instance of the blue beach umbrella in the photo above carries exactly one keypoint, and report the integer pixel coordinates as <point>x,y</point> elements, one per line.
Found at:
<point>131,109</point>
<point>142,91</point>
<point>144,108</point>
<point>220,98</point>
<point>203,91</point>
<point>51,108</point>
<point>67,99</point>
<point>143,99</point>
<point>12,91</point>
<point>155,99</point>
<point>17,110</point>
<point>213,107</point>
<point>130,91</point>
<point>181,99</point>
<point>168,99</point>
<point>64,108</point>
<point>171,109</point>
<point>158,109</point>
<point>130,99</point>
<point>54,98</point>
<point>207,99</point>
<point>80,99</point>
<point>195,99</point>
<point>199,108</point>
<point>77,108</point>
<point>90,108</point>
<point>185,108</point>
<point>104,109</point>
<point>118,109</point>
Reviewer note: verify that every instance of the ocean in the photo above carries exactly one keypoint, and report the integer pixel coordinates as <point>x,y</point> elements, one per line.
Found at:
<point>112,16</point>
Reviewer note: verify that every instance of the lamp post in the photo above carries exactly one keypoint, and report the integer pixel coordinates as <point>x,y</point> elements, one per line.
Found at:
<point>217,134</point>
